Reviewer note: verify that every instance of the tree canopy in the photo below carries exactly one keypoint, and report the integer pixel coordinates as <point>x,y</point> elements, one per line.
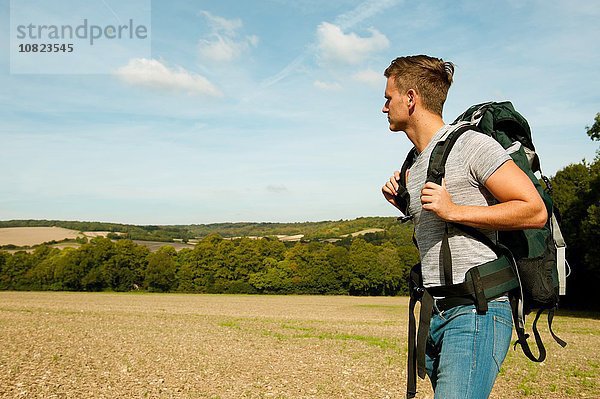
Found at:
<point>594,130</point>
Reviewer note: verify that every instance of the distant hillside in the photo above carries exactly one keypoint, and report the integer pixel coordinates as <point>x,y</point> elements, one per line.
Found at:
<point>168,233</point>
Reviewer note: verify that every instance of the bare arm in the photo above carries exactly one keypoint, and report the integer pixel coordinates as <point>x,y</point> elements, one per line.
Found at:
<point>520,207</point>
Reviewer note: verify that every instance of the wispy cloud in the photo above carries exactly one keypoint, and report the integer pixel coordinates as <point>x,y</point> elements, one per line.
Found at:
<point>362,12</point>
<point>330,86</point>
<point>289,68</point>
<point>224,44</point>
<point>338,47</point>
<point>154,74</point>
<point>220,24</point>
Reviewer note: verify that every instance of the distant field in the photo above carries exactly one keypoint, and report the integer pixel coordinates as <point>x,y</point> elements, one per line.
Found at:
<point>108,345</point>
<point>153,246</point>
<point>29,236</point>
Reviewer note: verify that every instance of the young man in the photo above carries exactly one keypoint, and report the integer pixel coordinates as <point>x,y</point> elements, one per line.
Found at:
<point>482,188</point>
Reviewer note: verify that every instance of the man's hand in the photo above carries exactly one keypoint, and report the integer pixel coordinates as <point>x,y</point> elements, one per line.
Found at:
<point>390,188</point>
<point>436,198</point>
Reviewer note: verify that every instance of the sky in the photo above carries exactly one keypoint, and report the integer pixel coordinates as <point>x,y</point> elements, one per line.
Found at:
<point>270,110</point>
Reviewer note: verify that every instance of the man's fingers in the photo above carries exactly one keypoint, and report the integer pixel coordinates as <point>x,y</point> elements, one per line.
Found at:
<point>391,186</point>
<point>429,191</point>
<point>388,190</point>
<point>431,184</point>
<point>426,199</point>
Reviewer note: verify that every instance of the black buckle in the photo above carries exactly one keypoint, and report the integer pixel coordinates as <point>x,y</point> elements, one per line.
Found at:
<point>436,173</point>
<point>404,219</point>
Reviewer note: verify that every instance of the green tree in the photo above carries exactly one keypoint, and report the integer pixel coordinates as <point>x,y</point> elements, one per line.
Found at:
<point>124,271</point>
<point>92,257</point>
<point>14,274</point>
<point>42,274</point>
<point>69,270</point>
<point>160,275</point>
<point>594,130</point>
<point>394,272</point>
<point>367,274</point>
<point>577,197</point>
<point>4,278</point>
<point>273,278</point>
<point>198,267</point>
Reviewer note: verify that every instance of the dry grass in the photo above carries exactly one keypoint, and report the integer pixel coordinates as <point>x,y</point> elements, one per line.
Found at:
<point>29,236</point>
<point>106,345</point>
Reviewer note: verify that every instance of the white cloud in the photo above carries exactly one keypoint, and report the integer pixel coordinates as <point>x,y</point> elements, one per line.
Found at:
<point>154,74</point>
<point>327,85</point>
<point>223,43</point>
<point>336,46</point>
<point>344,21</point>
<point>369,77</point>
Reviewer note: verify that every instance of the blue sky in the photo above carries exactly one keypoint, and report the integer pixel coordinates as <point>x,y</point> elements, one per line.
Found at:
<point>270,110</point>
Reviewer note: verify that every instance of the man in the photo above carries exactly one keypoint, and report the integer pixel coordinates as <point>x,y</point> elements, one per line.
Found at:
<point>482,188</point>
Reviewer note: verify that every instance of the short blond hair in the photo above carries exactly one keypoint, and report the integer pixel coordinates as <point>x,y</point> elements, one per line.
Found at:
<point>430,77</point>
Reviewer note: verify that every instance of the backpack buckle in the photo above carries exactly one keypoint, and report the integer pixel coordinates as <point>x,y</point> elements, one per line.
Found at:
<point>404,219</point>
<point>436,174</point>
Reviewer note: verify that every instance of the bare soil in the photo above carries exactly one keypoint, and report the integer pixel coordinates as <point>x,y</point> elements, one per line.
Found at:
<point>109,345</point>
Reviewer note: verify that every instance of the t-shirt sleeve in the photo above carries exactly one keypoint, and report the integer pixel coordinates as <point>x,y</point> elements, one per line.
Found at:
<point>483,155</point>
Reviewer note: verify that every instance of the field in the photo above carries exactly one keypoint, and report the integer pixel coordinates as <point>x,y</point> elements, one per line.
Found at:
<point>153,246</point>
<point>109,345</point>
<point>29,236</point>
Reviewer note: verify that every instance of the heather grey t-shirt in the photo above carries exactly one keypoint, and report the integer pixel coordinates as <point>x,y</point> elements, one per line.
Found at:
<point>474,157</point>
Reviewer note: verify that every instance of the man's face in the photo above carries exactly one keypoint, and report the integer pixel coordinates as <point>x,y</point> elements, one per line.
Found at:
<point>395,106</point>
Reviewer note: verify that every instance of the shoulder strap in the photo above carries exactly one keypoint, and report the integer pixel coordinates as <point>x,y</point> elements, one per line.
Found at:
<point>437,162</point>
<point>402,197</point>
<point>435,173</point>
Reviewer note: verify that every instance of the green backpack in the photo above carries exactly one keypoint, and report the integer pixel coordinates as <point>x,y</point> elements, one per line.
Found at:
<point>539,253</point>
<point>531,263</point>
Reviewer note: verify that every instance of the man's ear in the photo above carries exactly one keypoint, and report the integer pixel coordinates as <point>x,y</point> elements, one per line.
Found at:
<point>411,95</point>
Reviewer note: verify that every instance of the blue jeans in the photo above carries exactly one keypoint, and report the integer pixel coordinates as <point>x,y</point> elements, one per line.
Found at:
<point>465,350</point>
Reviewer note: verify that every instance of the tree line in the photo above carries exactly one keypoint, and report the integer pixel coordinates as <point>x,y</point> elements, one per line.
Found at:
<point>376,264</point>
<point>168,233</point>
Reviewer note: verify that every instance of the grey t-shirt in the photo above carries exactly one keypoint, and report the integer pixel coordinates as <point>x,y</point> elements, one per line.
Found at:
<point>474,158</point>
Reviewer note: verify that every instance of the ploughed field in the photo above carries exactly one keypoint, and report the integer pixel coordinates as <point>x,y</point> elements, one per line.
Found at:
<point>113,345</point>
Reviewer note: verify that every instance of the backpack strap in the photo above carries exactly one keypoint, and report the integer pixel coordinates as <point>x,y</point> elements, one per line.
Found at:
<point>417,338</point>
<point>435,173</point>
<point>522,336</point>
<point>402,197</point>
<point>437,161</point>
